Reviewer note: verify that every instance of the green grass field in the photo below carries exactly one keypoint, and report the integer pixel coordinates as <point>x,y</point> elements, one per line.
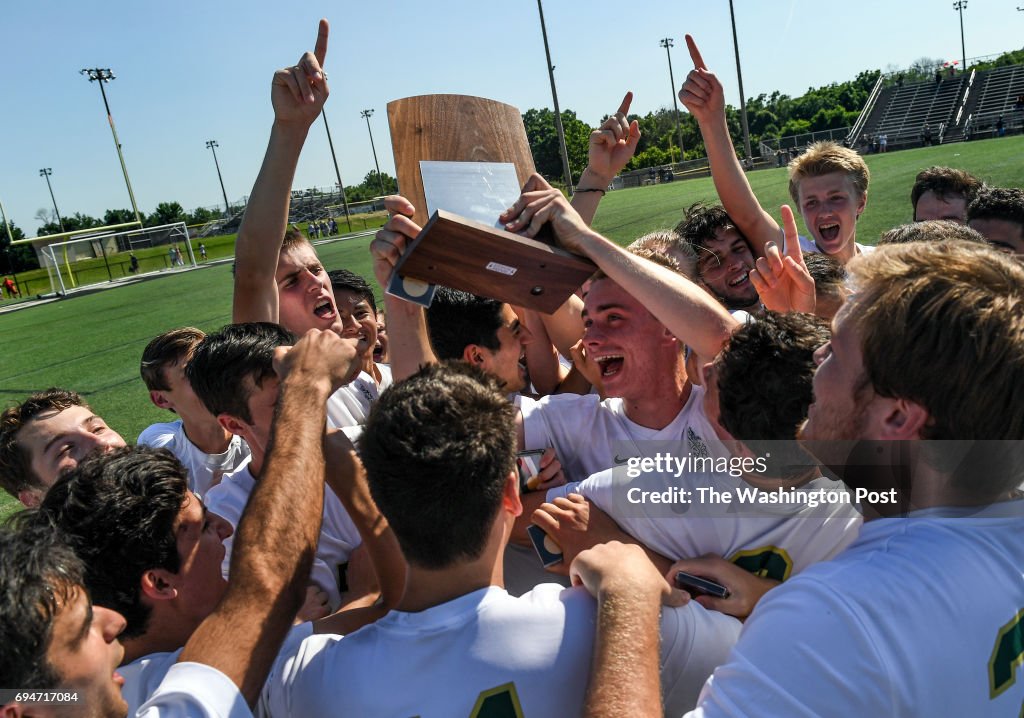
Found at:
<point>92,342</point>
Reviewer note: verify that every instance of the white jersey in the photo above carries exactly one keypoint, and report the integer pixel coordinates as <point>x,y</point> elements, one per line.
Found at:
<point>583,428</point>
<point>350,405</point>
<point>204,470</point>
<point>143,676</point>
<point>809,245</point>
<point>774,540</point>
<point>338,535</point>
<point>195,690</point>
<point>921,616</point>
<point>484,652</point>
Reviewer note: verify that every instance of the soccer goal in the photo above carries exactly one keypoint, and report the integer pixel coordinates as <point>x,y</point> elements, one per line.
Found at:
<point>97,256</point>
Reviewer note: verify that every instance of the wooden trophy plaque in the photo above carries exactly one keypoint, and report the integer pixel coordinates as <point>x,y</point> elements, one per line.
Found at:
<point>462,253</point>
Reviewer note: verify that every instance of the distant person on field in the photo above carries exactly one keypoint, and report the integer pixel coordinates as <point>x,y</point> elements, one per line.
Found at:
<point>998,213</point>
<point>943,193</point>
<point>44,436</point>
<point>11,288</point>
<point>828,183</point>
<point>133,263</point>
<point>206,448</point>
<point>202,251</point>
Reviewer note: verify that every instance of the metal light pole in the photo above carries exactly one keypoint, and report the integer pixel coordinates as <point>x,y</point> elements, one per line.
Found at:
<point>739,77</point>
<point>7,225</point>
<point>959,6</point>
<point>103,75</point>
<point>367,114</point>
<point>344,199</point>
<point>212,146</point>
<point>46,172</point>
<point>567,173</point>
<point>666,42</point>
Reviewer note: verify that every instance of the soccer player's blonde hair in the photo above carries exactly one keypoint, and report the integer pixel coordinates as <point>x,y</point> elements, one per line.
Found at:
<point>822,158</point>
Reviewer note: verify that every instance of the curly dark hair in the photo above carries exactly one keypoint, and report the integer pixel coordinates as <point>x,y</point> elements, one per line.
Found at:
<point>944,181</point>
<point>932,230</point>
<point>438,448</point>
<point>117,510</point>
<point>1005,203</point>
<point>700,223</point>
<point>765,375</point>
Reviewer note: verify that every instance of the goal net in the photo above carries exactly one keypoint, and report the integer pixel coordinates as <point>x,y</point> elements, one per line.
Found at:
<point>98,256</point>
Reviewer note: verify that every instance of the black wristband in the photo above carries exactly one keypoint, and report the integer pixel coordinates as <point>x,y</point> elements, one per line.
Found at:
<point>595,189</point>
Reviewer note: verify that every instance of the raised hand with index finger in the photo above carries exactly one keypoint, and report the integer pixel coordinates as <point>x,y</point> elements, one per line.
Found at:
<point>702,92</point>
<point>298,93</point>
<point>782,279</point>
<point>613,144</point>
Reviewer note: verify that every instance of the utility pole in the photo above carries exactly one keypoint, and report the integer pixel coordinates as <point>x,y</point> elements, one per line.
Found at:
<point>739,77</point>
<point>102,76</point>
<point>46,172</point>
<point>212,146</point>
<point>666,42</point>
<point>959,6</point>
<point>367,114</point>
<point>337,172</point>
<point>7,225</point>
<point>566,172</point>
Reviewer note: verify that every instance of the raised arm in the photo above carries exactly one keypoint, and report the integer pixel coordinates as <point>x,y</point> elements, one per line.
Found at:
<point>612,146</point>
<point>298,94</point>
<point>703,96</point>
<point>689,312</point>
<point>624,676</point>
<point>347,478</point>
<point>408,341</point>
<point>278,532</point>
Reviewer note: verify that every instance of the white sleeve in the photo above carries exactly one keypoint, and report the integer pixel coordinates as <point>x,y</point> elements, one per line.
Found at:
<point>195,690</point>
<point>556,420</point>
<point>796,657</point>
<point>326,579</point>
<point>297,678</point>
<point>289,649</point>
<point>694,641</point>
<point>156,437</point>
<point>564,490</point>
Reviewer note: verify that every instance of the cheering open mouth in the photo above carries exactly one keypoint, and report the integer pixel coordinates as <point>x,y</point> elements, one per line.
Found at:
<point>611,364</point>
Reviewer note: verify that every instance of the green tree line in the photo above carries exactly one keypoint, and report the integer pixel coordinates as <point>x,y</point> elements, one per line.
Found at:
<point>769,116</point>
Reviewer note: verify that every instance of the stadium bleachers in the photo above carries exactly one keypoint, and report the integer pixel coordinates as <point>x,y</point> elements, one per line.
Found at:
<point>956,108</point>
<point>995,96</point>
<point>901,113</point>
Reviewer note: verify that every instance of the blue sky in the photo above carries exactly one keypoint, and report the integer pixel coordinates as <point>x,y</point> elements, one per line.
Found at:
<point>190,71</point>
